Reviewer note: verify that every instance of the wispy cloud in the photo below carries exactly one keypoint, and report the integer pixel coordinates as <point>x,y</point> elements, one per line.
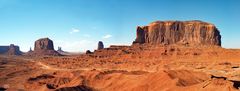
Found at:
<point>107,36</point>
<point>77,45</point>
<point>74,30</point>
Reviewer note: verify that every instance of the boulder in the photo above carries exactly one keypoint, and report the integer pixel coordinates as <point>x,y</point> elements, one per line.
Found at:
<point>178,32</point>
<point>100,45</point>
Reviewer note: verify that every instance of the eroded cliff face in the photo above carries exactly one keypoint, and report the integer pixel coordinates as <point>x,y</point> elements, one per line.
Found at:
<point>10,50</point>
<point>43,46</point>
<point>178,32</point>
<point>14,50</point>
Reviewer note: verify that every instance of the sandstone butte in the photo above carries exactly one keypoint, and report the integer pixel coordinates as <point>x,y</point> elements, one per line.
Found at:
<point>43,46</point>
<point>165,56</point>
<point>178,32</point>
<point>100,45</point>
<point>10,50</point>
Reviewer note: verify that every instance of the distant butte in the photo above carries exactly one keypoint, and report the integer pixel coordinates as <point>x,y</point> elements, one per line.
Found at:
<point>100,45</point>
<point>178,32</point>
<point>44,46</point>
<point>10,50</point>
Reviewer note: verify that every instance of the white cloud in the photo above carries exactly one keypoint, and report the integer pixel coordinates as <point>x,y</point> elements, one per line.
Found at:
<point>76,46</point>
<point>74,30</point>
<point>107,36</point>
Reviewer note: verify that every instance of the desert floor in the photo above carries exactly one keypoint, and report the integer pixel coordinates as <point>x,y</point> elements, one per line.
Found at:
<point>124,68</point>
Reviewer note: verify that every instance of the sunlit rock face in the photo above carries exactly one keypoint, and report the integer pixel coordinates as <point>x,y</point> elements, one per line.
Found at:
<point>178,32</point>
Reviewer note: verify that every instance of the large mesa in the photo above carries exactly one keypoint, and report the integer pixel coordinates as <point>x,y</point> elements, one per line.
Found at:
<point>10,50</point>
<point>44,46</point>
<point>178,32</point>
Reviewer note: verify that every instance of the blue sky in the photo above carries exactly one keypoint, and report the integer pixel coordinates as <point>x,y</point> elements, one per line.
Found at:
<point>77,25</point>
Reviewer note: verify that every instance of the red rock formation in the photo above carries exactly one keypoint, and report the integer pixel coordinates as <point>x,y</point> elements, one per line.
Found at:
<point>100,45</point>
<point>44,46</point>
<point>14,50</point>
<point>178,32</point>
<point>88,52</point>
<point>30,50</point>
<point>60,49</point>
<point>10,50</point>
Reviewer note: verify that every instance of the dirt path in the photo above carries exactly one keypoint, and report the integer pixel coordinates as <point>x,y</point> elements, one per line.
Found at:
<point>43,66</point>
<point>47,67</point>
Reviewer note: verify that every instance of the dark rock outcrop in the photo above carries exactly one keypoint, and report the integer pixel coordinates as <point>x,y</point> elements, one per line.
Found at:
<point>76,88</point>
<point>10,50</point>
<point>88,52</point>
<point>2,89</point>
<point>4,49</point>
<point>100,45</point>
<point>44,46</point>
<point>178,32</point>
<point>60,49</point>
<point>30,50</point>
<point>14,50</point>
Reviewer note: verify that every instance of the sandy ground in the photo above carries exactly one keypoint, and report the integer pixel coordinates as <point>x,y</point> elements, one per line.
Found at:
<point>125,69</point>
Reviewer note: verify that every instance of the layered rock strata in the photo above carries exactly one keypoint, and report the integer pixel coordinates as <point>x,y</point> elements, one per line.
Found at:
<point>178,32</point>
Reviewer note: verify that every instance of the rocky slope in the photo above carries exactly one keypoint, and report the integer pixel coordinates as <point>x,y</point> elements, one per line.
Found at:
<point>178,32</point>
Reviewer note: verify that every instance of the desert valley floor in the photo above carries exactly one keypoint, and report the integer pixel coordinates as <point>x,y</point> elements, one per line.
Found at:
<point>122,68</point>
